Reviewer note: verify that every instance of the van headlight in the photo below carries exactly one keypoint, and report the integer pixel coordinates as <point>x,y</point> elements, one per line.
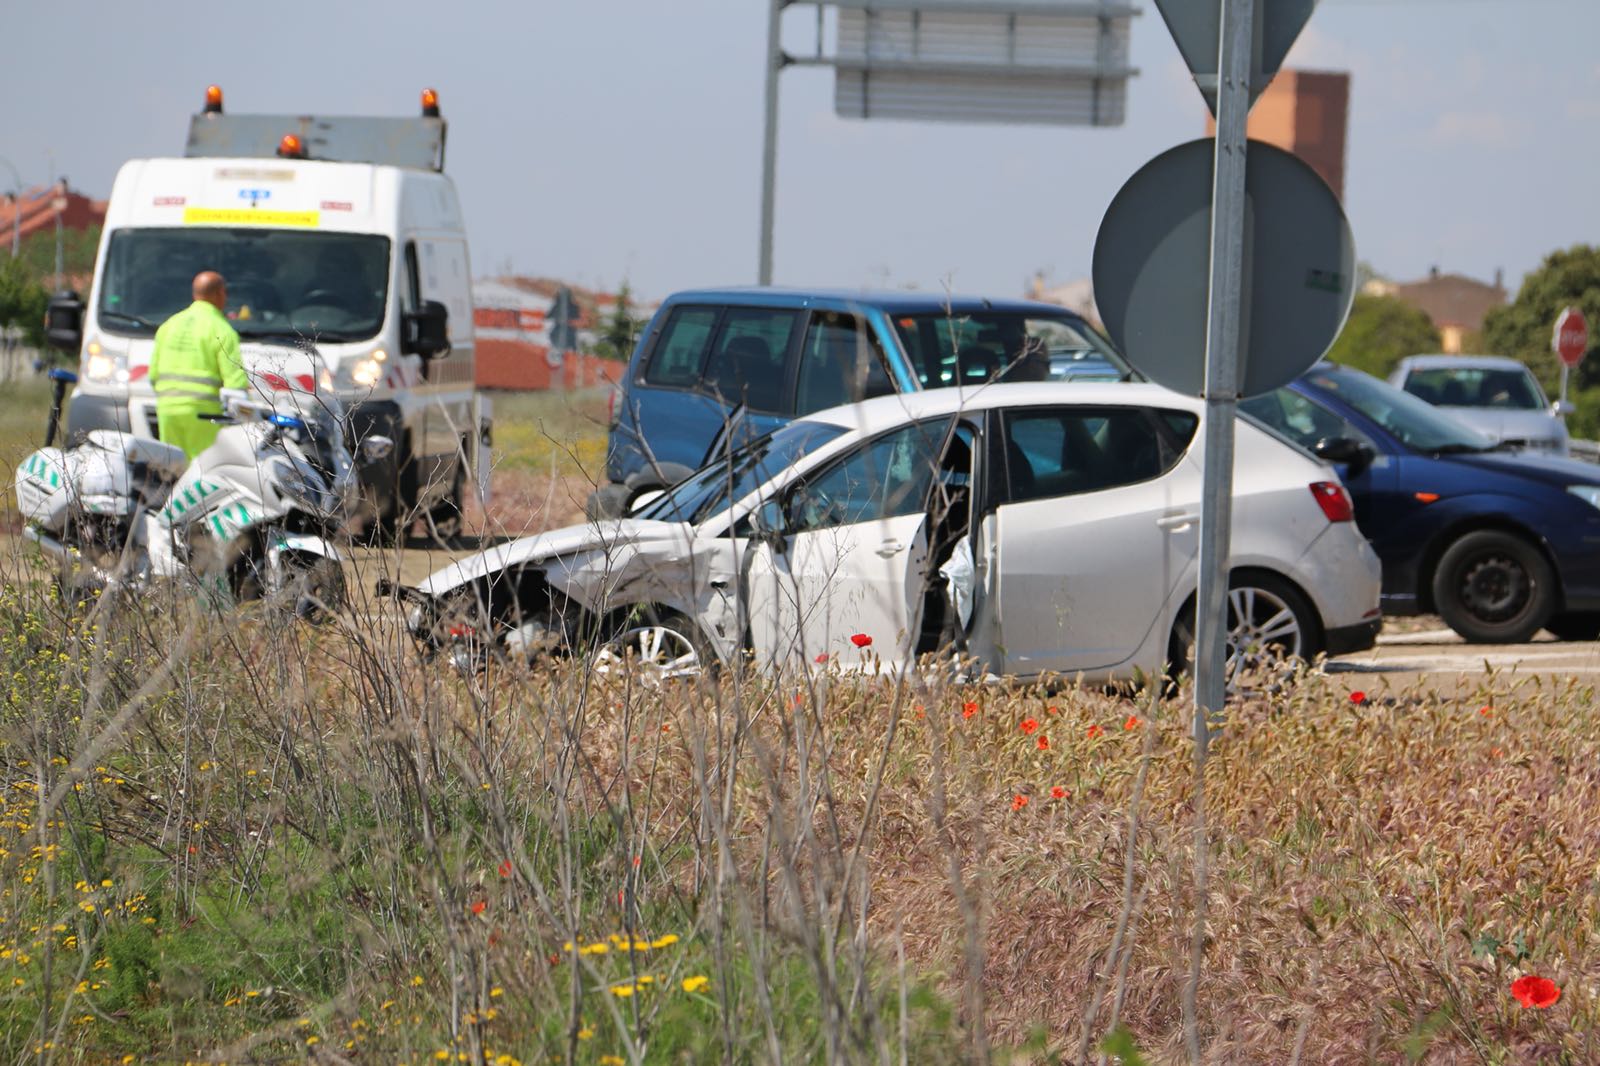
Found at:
<point>103,367</point>
<point>1589,494</point>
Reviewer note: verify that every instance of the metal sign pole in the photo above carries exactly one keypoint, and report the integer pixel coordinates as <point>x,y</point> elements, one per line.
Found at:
<point>769,141</point>
<point>1224,344</point>
<point>1565,370</point>
<point>1224,350</point>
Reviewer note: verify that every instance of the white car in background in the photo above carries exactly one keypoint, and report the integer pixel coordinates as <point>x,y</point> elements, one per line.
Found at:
<point>1496,396</point>
<point>1043,528</point>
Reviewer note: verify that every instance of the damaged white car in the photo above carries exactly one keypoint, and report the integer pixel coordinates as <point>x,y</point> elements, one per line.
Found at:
<point>1038,528</point>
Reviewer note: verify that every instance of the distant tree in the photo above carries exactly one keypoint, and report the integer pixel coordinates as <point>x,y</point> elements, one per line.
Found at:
<point>1381,331</point>
<point>23,297</point>
<point>621,329</point>
<point>1522,329</point>
<point>78,248</point>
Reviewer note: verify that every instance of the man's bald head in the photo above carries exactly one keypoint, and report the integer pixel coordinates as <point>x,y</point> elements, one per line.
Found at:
<point>210,287</point>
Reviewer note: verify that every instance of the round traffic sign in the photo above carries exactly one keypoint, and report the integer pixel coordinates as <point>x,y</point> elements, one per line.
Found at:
<point>1152,267</point>
<point>1572,336</point>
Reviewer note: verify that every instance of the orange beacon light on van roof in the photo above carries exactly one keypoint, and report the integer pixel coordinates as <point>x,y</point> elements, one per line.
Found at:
<point>430,104</point>
<point>291,147</point>
<point>213,100</point>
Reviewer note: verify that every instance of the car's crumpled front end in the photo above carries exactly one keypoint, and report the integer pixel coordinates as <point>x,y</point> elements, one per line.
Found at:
<point>558,593</point>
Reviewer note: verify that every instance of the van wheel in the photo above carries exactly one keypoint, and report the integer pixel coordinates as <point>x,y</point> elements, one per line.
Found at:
<point>1494,588</point>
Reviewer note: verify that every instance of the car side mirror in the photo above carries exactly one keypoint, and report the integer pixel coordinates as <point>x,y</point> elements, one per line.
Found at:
<point>63,321</point>
<point>425,331</point>
<point>1563,408</point>
<point>1355,454</point>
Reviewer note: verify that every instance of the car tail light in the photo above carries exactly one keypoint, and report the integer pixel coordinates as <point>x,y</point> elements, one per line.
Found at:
<point>1333,500</point>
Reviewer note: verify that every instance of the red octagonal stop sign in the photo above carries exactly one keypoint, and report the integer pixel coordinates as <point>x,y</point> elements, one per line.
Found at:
<point>1572,336</point>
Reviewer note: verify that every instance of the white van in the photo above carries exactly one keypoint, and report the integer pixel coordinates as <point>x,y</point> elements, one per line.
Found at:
<point>338,233</point>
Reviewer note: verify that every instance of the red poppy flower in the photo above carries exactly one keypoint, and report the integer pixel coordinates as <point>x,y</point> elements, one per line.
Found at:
<point>1486,711</point>
<point>1028,725</point>
<point>505,868</point>
<point>1058,793</point>
<point>969,709</point>
<point>1018,802</point>
<point>861,640</point>
<point>1132,723</point>
<point>1044,743</point>
<point>1094,731</point>
<point>479,906</point>
<point>1052,710</point>
<point>1358,698</point>
<point>822,657</point>
<point>1495,753</point>
<point>1534,991</point>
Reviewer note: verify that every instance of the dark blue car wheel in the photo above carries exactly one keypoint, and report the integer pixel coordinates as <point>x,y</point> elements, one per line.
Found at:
<point>1494,588</point>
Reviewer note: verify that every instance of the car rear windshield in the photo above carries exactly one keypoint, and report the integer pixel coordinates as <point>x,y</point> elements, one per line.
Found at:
<point>969,348</point>
<point>281,283</point>
<point>1413,422</point>
<point>1506,390</point>
<point>706,492</point>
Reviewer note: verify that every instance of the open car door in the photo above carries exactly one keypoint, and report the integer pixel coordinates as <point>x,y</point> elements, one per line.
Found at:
<point>850,559</point>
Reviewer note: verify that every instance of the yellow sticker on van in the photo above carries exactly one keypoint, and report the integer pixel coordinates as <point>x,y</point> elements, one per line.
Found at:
<point>249,216</point>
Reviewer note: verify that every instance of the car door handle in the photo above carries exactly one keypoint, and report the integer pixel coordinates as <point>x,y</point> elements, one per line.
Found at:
<point>890,548</point>
<point>1177,523</point>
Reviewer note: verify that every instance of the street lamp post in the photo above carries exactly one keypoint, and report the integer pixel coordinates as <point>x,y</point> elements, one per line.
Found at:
<point>60,204</point>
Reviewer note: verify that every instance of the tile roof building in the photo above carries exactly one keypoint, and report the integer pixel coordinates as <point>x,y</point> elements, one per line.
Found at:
<point>1456,303</point>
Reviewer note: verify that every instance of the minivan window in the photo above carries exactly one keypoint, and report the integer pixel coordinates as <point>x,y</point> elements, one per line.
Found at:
<point>970,348</point>
<point>281,283</point>
<point>840,362</point>
<point>681,350</point>
<point>704,494</point>
<point>748,364</point>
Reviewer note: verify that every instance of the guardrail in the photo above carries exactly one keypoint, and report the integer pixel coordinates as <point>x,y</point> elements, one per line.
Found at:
<point>1587,450</point>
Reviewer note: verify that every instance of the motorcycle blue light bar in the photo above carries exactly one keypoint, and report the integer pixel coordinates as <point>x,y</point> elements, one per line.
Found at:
<point>286,422</point>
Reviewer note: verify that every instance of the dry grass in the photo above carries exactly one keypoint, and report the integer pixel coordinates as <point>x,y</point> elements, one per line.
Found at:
<point>321,848</point>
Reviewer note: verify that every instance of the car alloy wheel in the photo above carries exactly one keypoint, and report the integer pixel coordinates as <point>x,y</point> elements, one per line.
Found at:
<point>659,652</point>
<point>1262,626</point>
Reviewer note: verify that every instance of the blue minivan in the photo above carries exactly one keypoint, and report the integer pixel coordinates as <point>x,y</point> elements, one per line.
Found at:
<point>717,367</point>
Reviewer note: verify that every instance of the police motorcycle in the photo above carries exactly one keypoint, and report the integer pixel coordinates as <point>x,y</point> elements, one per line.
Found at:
<point>249,518</point>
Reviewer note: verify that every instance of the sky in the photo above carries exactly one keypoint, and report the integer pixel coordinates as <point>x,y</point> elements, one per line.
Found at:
<point>608,140</point>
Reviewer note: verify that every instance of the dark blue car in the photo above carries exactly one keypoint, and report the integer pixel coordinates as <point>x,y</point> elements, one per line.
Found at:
<point>1499,544</point>
<point>716,367</point>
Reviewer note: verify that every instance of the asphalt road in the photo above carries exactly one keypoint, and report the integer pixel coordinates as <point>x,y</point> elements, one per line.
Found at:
<point>1442,660</point>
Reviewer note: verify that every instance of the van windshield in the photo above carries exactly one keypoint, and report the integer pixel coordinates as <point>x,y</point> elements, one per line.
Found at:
<point>281,283</point>
<point>971,347</point>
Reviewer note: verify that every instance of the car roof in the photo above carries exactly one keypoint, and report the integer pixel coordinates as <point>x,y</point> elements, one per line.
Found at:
<point>890,302</point>
<point>886,412</point>
<point>1460,362</point>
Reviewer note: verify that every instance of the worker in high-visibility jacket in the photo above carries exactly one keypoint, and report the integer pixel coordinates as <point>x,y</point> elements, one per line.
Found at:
<point>196,356</point>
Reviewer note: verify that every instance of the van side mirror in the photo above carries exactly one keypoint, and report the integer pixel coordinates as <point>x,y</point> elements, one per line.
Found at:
<point>63,321</point>
<point>1357,455</point>
<point>424,331</point>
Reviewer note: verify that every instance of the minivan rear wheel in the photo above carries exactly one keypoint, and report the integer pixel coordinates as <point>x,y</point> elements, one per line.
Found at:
<point>1494,587</point>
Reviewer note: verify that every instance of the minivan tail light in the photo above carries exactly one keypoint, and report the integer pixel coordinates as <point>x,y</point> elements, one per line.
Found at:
<point>1334,501</point>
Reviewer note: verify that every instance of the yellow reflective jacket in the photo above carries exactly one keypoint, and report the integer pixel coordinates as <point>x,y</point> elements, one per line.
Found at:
<point>197,354</point>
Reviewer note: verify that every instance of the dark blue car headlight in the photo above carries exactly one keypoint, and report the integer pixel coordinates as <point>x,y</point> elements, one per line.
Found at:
<point>1589,494</point>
